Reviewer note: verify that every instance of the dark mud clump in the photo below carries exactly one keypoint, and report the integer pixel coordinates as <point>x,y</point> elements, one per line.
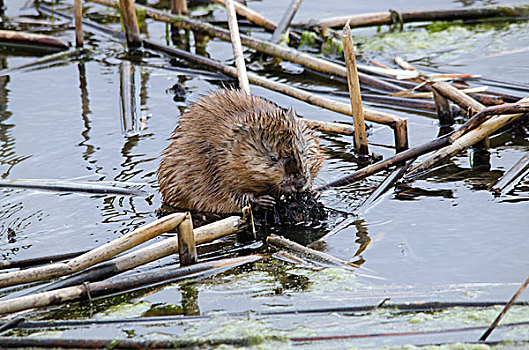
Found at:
<point>294,210</point>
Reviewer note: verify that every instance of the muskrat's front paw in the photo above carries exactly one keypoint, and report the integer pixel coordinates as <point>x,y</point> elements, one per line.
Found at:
<point>265,201</point>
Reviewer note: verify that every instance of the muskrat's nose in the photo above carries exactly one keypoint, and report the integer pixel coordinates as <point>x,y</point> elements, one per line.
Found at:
<point>298,183</point>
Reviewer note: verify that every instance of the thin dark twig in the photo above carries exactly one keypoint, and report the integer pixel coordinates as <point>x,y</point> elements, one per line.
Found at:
<point>504,311</point>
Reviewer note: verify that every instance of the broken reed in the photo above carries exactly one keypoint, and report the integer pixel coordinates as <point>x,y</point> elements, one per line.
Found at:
<point>399,125</point>
<point>360,137</point>
<point>130,22</point>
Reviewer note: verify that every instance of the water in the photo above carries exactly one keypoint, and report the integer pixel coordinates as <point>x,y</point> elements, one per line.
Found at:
<point>444,236</point>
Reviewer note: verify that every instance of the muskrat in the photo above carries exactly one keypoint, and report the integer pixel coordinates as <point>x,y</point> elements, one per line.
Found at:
<point>231,149</point>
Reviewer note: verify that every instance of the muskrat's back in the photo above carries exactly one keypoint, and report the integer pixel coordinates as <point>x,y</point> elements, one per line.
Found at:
<point>230,149</point>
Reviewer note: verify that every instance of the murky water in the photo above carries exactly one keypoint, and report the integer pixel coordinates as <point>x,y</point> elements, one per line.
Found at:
<point>63,121</point>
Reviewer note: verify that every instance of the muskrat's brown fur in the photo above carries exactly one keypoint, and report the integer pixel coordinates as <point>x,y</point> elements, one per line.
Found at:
<point>230,149</point>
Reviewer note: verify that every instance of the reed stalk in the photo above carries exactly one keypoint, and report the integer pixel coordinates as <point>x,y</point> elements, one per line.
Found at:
<point>179,7</point>
<point>130,22</point>
<point>458,97</point>
<point>187,250</point>
<point>514,175</point>
<point>466,140</point>
<point>69,186</point>
<point>494,324</point>
<point>250,15</point>
<point>41,260</point>
<point>152,252</point>
<point>381,18</point>
<point>360,137</point>
<point>244,84</point>
<point>396,123</point>
<point>119,285</point>
<point>268,48</point>
<point>311,254</point>
<point>338,128</point>
<point>388,182</point>
<point>94,256</point>
<point>285,21</point>
<point>371,169</point>
<point>444,111</point>
<point>78,10</point>
<point>41,41</point>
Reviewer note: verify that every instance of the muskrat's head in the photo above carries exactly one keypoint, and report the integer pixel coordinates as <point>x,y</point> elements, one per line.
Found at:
<point>275,152</point>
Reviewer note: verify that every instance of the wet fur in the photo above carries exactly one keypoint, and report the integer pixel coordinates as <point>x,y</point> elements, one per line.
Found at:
<point>230,148</point>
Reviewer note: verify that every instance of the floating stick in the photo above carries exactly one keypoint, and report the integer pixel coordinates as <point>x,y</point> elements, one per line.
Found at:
<point>69,186</point>
<point>45,42</point>
<point>309,253</point>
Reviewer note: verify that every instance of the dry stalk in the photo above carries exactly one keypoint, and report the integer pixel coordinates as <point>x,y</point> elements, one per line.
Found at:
<point>268,48</point>
<point>78,9</point>
<point>94,256</point>
<point>130,22</point>
<point>285,21</point>
<point>250,15</point>
<point>463,142</point>
<point>186,242</point>
<point>360,136</point>
<point>237,49</point>
<point>381,18</point>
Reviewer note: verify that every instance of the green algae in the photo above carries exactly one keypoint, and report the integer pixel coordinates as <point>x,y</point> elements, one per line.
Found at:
<point>445,40</point>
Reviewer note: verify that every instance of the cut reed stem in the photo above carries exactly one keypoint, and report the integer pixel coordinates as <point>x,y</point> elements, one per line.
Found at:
<point>360,136</point>
<point>130,22</point>
<point>78,10</point>
<point>187,250</point>
<point>119,285</point>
